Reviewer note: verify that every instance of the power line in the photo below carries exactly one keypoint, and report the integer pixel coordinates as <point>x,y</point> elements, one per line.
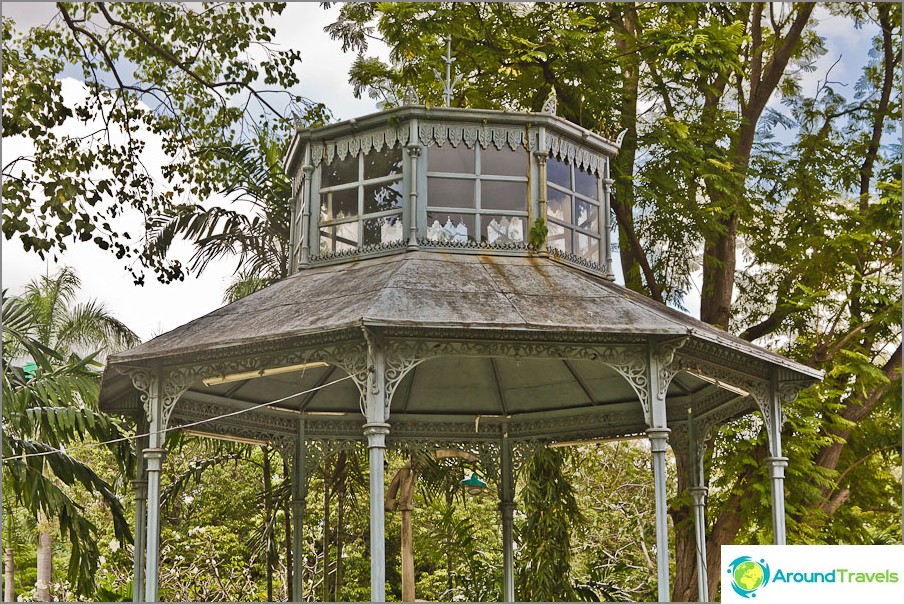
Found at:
<point>188,425</point>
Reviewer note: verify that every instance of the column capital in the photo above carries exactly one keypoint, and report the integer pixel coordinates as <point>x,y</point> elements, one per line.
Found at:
<point>154,458</point>
<point>376,434</point>
<point>308,169</point>
<point>414,150</point>
<point>776,466</point>
<point>659,438</point>
<point>698,494</point>
<point>140,487</point>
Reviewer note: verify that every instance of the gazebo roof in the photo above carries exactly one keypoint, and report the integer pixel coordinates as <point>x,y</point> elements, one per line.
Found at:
<point>529,308</point>
<point>437,291</point>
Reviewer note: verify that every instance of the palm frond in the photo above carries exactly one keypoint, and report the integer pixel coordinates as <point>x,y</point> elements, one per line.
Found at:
<point>91,325</point>
<point>37,492</point>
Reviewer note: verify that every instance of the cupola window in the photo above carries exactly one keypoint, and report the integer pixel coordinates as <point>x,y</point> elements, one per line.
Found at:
<point>573,210</point>
<point>361,200</point>
<point>476,194</point>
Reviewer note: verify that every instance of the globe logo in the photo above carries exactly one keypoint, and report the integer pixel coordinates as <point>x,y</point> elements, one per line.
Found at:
<point>748,575</point>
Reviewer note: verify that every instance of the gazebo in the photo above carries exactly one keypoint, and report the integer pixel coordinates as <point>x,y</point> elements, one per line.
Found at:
<point>451,286</point>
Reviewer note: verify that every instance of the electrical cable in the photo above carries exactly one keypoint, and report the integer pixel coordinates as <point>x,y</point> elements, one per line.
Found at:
<point>183,426</point>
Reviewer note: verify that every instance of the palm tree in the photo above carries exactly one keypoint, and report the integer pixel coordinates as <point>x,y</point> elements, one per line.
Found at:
<point>54,404</point>
<point>258,239</point>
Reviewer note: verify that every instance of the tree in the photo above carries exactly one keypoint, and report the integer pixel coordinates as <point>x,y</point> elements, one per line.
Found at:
<point>824,284</point>
<point>47,409</point>
<point>195,77</point>
<point>700,177</point>
<point>260,241</point>
<point>549,504</point>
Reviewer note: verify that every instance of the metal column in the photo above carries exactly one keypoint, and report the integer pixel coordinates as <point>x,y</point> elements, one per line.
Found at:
<point>698,492</point>
<point>658,433</point>
<point>299,495</point>
<point>776,463</point>
<point>153,456</point>
<point>376,445</point>
<point>376,429</point>
<point>140,491</point>
<point>659,438</point>
<point>507,507</point>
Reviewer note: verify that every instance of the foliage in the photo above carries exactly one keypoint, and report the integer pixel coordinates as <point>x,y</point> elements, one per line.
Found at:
<point>260,240</point>
<point>42,414</point>
<point>549,504</point>
<point>194,77</point>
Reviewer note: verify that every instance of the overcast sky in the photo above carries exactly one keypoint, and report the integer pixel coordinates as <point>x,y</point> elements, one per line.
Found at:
<point>156,308</point>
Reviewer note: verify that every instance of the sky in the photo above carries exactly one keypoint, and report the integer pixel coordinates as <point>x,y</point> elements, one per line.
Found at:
<point>156,308</point>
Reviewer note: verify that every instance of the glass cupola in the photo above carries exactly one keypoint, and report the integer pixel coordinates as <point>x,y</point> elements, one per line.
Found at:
<point>473,181</point>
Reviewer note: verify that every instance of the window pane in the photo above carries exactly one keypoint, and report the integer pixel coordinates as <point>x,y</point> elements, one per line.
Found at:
<point>496,195</point>
<point>344,204</point>
<point>339,172</point>
<point>324,207</point>
<point>558,205</point>
<point>379,198</point>
<point>338,238</point>
<point>503,161</point>
<point>559,237</point>
<point>558,172</point>
<point>450,193</point>
<point>501,230</point>
<point>383,163</point>
<point>458,228</point>
<point>588,247</point>
<point>346,236</point>
<point>450,159</point>
<point>385,229</point>
<point>585,184</point>
<point>587,215</point>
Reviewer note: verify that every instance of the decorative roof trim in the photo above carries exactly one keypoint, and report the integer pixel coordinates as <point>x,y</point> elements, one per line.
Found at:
<point>360,251</point>
<point>569,152</point>
<point>373,140</point>
<point>575,259</point>
<point>440,133</point>
<point>477,245</point>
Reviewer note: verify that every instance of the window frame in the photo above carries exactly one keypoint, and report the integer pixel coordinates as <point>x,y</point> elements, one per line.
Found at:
<point>360,217</point>
<point>572,229</point>
<point>476,178</point>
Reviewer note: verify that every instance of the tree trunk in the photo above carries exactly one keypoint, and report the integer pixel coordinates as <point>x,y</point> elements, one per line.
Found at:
<point>719,260</point>
<point>9,576</point>
<point>450,499</point>
<point>45,561</point>
<point>720,247</point>
<point>684,587</point>
<point>623,162</point>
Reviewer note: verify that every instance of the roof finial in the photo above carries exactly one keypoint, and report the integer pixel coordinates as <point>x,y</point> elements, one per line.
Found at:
<point>550,105</point>
<point>448,83</point>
